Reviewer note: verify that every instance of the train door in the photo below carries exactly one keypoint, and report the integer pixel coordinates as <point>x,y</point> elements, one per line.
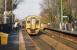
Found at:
<point>33,23</point>
<point>37,24</point>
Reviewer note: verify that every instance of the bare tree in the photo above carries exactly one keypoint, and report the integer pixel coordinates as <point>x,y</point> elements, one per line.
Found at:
<point>51,8</point>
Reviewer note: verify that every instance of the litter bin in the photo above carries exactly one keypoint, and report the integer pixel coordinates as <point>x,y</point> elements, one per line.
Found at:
<point>4,38</point>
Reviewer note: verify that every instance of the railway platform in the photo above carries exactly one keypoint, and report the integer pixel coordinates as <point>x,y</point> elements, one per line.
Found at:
<point>13,42</point>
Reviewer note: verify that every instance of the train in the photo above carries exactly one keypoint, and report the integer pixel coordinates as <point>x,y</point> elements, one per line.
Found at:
<point>33,25</point>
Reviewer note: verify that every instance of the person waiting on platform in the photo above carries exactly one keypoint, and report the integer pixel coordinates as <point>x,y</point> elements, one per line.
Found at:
<point>15,27</point>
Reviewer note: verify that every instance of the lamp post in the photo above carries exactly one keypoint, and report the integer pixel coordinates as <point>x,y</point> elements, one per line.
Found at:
<point>61,15</point>
<point>61,11</point>
<point>5,12</point>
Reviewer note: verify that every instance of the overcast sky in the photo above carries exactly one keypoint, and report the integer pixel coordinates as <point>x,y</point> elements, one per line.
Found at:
<point>27,7</point>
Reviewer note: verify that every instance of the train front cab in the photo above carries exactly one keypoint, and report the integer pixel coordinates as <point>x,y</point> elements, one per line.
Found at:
<point>32,25</point>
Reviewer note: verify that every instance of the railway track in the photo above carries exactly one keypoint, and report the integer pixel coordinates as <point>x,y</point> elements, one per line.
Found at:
<point>35,43</point>
<point>49,40</point>
<point>28,42</point>
<point>65,39</point>
<point>53,41</point>
<point>62,35</point>
<point>41,44</point>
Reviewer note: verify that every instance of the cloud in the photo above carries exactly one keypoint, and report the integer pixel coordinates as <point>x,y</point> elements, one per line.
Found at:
<point>26,8</point>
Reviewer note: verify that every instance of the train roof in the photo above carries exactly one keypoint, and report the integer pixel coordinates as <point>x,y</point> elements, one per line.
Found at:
<point>33,16</point>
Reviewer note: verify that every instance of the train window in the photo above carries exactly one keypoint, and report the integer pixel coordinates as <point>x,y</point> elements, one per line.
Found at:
<point>33,17</point>
<point>37,21</point>
<point>28,21</point>
<point>33,21</point>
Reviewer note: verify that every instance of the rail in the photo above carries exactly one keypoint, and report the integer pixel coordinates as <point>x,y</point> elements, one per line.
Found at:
<point>29,43</point>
